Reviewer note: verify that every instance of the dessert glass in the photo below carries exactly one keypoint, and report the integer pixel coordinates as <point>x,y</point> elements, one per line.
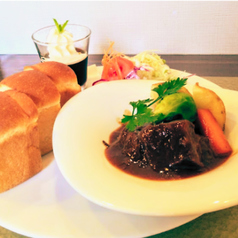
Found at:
<point>62,51</point>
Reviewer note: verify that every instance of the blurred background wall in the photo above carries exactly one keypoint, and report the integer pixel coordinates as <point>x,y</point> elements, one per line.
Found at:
<point>169,27</point>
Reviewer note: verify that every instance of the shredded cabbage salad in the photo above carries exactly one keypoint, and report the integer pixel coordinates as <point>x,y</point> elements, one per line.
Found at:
<point>149,65</point>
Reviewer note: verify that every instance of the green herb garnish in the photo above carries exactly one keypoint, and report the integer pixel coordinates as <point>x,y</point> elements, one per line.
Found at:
<point>59,27</point>
<point>141,111</point>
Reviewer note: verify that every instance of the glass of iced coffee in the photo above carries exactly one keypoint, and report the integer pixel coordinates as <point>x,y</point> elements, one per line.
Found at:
<point>66,43</point>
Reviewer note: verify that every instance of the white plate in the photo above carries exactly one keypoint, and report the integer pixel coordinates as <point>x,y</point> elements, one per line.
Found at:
<point>89,118</point>
<point>46,206</point>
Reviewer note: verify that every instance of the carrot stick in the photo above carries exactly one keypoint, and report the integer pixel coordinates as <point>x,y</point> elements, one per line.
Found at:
<point>213,131</point>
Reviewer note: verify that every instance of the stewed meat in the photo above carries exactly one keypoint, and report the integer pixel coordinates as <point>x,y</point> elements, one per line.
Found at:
<point>169,150</point>
<point>172,145</point>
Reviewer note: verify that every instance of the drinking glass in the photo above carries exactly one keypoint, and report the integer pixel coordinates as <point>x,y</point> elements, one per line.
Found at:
<point>73,53</point>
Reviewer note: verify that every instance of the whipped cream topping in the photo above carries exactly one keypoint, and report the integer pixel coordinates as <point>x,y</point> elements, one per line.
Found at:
<point>61,48</point>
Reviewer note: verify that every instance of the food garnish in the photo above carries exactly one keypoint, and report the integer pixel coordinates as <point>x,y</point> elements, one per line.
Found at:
<point>59,27</point>
<point>149,65</point>
<point>115,65</point>
<point>142,113</point>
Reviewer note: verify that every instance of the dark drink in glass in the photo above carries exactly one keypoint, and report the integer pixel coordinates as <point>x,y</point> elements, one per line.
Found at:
<point>80,69</point>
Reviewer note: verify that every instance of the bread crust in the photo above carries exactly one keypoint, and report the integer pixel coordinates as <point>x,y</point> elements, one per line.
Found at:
<point>62,75</point>
<point>46,97</point>
<point>20,156</point>
<point>25,103</point>
<point>36,85</point>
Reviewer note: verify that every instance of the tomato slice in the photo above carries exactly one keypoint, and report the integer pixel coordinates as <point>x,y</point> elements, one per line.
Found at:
<point>117,68</point>
<point>112,74</point>
<point>126,66</point>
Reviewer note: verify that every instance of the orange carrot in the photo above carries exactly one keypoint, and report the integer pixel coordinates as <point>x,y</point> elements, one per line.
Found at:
<point>213,131</point>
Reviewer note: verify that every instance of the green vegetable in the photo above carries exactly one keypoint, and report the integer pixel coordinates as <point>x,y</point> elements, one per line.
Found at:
<point>141,115</point>
<point>177,104</point>
<point>142,112</point>
<point>60,28</point>
<point>155,65</point>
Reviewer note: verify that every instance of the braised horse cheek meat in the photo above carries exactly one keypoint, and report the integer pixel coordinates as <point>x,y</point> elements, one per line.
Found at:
<point>174,145</point>
<point>162,151</point>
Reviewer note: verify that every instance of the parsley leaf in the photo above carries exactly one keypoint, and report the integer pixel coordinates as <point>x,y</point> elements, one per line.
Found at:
<point>168,87</point>
<point>142,113</point>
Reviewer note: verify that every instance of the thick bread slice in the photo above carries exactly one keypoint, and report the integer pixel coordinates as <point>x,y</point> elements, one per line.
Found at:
<point>25,103</point>
<point>20,156</point>
<point>46,97</point>
<point>62,75</point>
